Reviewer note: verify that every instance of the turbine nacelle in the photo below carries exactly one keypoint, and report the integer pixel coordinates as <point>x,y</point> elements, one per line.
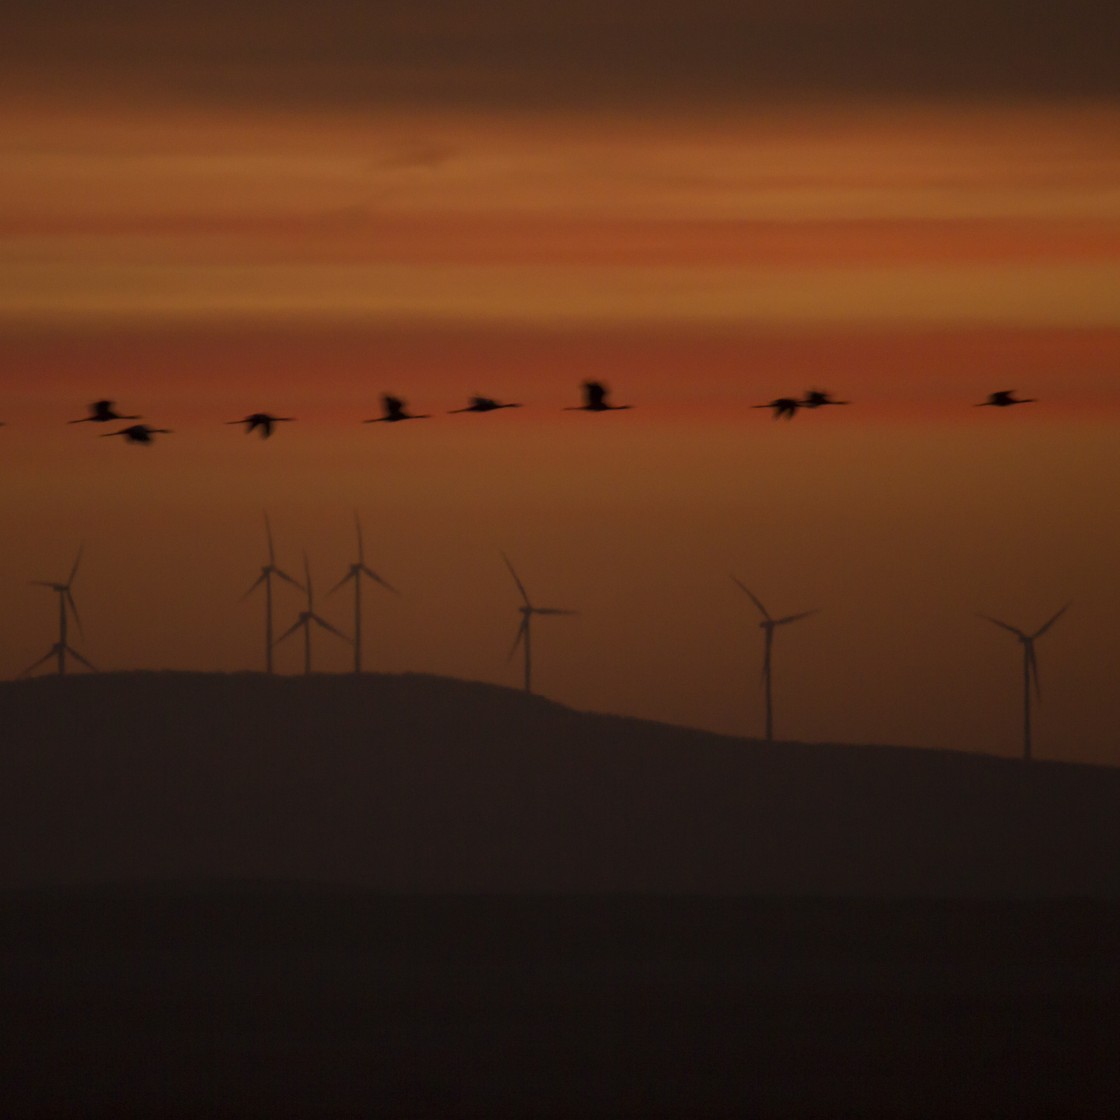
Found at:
<point>527,610</point>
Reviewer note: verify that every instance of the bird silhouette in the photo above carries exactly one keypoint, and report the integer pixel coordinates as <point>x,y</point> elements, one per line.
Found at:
<point>482,404</point>
<point>783,407</point>
<point>102,412</point>
<point>394,411</point>
<point>595,399</point>
<point>261,420</point>
<point>818,398</point>
<point>1004,398</point>
<point>138,433</point>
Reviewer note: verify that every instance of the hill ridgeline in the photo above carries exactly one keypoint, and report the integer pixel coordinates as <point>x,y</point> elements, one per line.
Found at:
<point>416,783</point>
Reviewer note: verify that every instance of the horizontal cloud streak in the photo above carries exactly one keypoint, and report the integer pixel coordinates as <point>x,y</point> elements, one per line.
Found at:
<point>563,54</point>
<point>1051,295</point>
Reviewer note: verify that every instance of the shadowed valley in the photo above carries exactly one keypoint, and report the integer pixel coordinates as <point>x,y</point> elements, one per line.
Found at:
<point>409,896</point>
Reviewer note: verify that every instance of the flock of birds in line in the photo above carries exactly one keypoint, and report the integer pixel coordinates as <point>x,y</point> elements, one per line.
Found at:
<point>595,399</point>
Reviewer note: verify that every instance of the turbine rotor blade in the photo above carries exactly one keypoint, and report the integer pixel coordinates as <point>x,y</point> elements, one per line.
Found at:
<point>1032,669</point>
<point>796,617</point>
<point>754,598</point>
<point>361,545</point>
<point>309,589</point>
<point>552,610</point>
<point>290,631</point>
<point>260,579</point>
<point>46,657</point>
<point>520,636</point>
<point>77,561</point>
<point>327,626</point>
<point>342,582</point>
<point>287,578</point>
<point>78,657</point>
<point>1046,626</point>
<point>74,608</point>
<point>517,580</point>
<point>377,579</point>
<point>268,533</point>
<point>1004,625</point>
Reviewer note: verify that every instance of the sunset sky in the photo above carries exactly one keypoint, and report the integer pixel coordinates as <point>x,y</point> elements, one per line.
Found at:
<point>216,209</point>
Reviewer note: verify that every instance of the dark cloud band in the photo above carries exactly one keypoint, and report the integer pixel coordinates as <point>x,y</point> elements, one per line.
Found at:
<point>571,54</point>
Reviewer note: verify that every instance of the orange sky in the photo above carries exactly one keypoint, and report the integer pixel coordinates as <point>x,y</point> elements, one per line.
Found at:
<point>197,259</point>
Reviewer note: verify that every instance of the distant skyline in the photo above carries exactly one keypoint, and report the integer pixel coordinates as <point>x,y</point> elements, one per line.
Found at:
<point>207,212</point>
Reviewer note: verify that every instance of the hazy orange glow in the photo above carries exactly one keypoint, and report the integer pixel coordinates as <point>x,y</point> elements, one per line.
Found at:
<point>197,264</point>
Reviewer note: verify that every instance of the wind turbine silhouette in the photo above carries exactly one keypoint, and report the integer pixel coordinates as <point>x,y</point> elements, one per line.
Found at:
<point>524,631</point>
<point>306,618</point>
<point>357,570</point>
<point>1030,669</point>
<point>66,605</point>
<point>768,625</point>
<point>267,572</point>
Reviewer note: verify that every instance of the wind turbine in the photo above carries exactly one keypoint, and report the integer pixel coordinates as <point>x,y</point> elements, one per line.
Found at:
<point>267,572</point>
<point>306,618</point>
<point>1030,669</point>
<point>66,605</point>
<point>524,631</point>
<point>357,570</point>
<point>768,625</point>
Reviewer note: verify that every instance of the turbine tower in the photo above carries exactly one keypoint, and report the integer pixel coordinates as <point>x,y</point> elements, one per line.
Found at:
<point>306,618</point>
<point>267,572</point>
<point>1030,669</point>
<point>768,625</point>
<point>357,570</point>
<point>524,631</point>
<point>66,606</point>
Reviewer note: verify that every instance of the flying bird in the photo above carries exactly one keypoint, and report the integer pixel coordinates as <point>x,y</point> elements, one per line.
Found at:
<point>261,420</point>
<point>818,398</point>
<point>394,411</point>
<point>595,399</point>
<point>102,412</point>
<point>482,404</point>
<point>1004,398</point>
<point>783,407</point>
<point>138,433</point>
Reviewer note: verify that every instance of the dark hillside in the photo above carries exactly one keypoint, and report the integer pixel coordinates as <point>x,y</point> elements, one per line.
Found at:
<point>416,783</point>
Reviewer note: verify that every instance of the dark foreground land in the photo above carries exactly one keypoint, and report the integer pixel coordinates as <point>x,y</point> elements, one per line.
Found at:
<point>263,1001</point>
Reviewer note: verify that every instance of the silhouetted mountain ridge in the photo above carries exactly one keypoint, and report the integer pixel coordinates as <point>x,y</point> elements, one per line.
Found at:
<point>420,783</point>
